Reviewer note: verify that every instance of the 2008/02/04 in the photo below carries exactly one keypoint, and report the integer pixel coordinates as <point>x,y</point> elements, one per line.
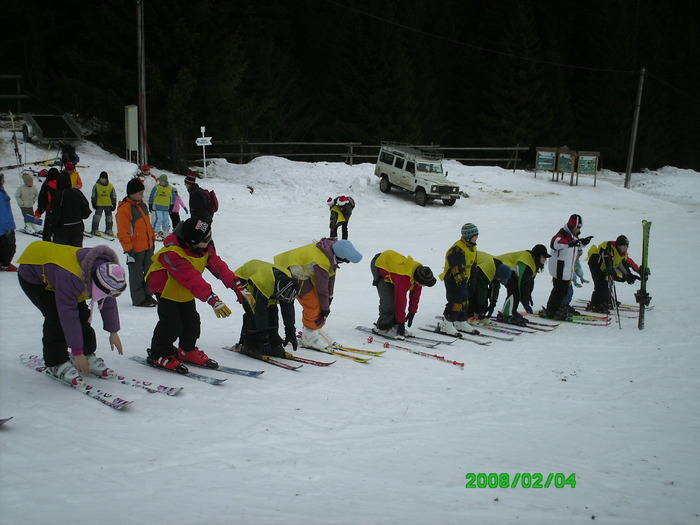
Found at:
<point>526,480</point>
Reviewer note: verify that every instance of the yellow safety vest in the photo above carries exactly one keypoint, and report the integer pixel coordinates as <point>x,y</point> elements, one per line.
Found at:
<point>394,262</point>
<point>163,195</point>
<point>469,258</point>
<point>104,194</point>
<point>173,290</point>
<point>513,258</point>
<point>300,261</point>
<point>44,252</point>
<point>260,274</point>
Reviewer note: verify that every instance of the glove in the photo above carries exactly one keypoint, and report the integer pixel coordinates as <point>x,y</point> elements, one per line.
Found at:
<point>644,271</point>
<point>586,240</point>
<point>409,319</point>
<point>290,337</point>
<point>630,278</point>
<point>575,242</point>
<point>220,309</point>
<point>150,208</point>
<point>528,305</point>
<point>114,207</point>
<point>37,214</point>
<point>322,319</point>
<point>401,330</point>
<point>130,258</point>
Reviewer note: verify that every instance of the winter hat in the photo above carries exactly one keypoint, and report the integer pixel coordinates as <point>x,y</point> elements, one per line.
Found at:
<point>424,275</point>
<point>622,241</point>
<point>163,177</point>
<point>345,250</point>
<point>134,186</point>
<point>27,177</point>
<point>503,273</point>
<point>70,167</point>
<point>342,200</point>
<point>575,221</point>
<point>108,279</point>
<point>539,250</point>
<point>194,231</point>
<point>145,167</point>
<point>330,202</point>
<point>191,178</point>
<point>103,175</point>
<point>469,230</point>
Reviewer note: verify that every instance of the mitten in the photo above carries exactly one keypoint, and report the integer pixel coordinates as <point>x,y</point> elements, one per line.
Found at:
<point>409,319</point>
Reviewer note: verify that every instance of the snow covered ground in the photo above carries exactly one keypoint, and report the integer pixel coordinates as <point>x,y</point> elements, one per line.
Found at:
<point>389,441</point>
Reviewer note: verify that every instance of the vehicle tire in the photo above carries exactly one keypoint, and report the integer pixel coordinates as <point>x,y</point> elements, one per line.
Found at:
<point>449,202</point>
<point>421,197</point>
<point>384,184</point>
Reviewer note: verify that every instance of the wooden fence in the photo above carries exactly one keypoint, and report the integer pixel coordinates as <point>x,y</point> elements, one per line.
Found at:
<point>242,152</point>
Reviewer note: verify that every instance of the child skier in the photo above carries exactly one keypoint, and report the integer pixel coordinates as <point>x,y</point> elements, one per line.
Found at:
<point>58,280</point>
<point>609,262</point>
<point>397,276</point>
<point>8,245</point>
<point>458,275</point>
<point>26,196</point>
<point>160,202</point>
<point>491,273</point>
<point>314,266</point>
<point>104,200</point>
<point>267,286</point>
<point>526,265</point>
<point>341,210</point>
<point>176,279</point>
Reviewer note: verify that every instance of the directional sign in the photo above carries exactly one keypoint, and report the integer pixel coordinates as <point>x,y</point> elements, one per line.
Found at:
<point>203,141</point>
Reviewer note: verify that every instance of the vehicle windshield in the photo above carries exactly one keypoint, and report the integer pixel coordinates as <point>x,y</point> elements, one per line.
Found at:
<point>430,167</point>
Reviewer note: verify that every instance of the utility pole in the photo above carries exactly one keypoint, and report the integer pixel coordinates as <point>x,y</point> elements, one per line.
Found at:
<point>143,137</point>
<point>633,138</point>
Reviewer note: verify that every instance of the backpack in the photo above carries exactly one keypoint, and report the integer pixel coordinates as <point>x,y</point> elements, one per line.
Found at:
<point>212,201</point>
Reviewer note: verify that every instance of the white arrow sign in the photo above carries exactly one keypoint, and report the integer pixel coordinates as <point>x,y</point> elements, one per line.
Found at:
<point>203,141</point>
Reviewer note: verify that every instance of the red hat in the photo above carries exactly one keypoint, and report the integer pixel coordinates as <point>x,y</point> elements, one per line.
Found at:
<point>342,200</point>
<point>191,178</point>
<point>70,167</point>
<point>145,167</point>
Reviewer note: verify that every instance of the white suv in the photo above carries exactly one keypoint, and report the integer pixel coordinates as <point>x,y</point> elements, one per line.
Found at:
<point>414,170</point>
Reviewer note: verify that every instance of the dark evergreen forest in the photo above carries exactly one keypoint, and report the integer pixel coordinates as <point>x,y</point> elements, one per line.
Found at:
<point>455,73</point>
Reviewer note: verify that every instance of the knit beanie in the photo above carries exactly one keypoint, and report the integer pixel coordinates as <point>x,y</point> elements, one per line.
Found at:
<point>424,276</point>
<point>191,178</point>
<point>469,230</point>
<point>163,177</point>
<point>108,279</point>
<point>503,273</point>
<point>134,186</point>
<point>103,175</point>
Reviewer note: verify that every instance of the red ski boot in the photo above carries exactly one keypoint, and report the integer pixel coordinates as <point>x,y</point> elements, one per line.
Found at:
<point>196,357</point>
<point>170,362</point>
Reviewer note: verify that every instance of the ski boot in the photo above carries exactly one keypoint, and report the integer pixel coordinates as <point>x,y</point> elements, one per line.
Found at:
<point>197,357</point>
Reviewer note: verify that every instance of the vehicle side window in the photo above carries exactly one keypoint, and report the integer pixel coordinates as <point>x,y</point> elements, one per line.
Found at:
<point>399,163</point>
<point>411,167</point>
<point>386,158</point>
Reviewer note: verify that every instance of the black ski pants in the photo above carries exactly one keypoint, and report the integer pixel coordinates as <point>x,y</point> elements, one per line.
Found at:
<point>175,321</point>
<point>53,338</point>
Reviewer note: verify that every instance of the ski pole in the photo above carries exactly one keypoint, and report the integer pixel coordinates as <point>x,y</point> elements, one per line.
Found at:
<point>442,358</point>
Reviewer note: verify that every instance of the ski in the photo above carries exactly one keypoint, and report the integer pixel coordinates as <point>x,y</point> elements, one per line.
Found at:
<point>191,375</point>
<point>517,328</point>
<point>88,235</point>
<point>574,320</point>
<point>461,335</point>
<point>442,358</point>
<point>101,235</point>
<point>420,341</point>
<point>358,350</point>
<point>5,420</point>
<point>230,370</point>
<point>146,385</point>
<point>642,296</point>
<point>475,331</point>
<point>265,358</point>
<point>33,234</point>
<point>37,363</point>
<point>333,351</point>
